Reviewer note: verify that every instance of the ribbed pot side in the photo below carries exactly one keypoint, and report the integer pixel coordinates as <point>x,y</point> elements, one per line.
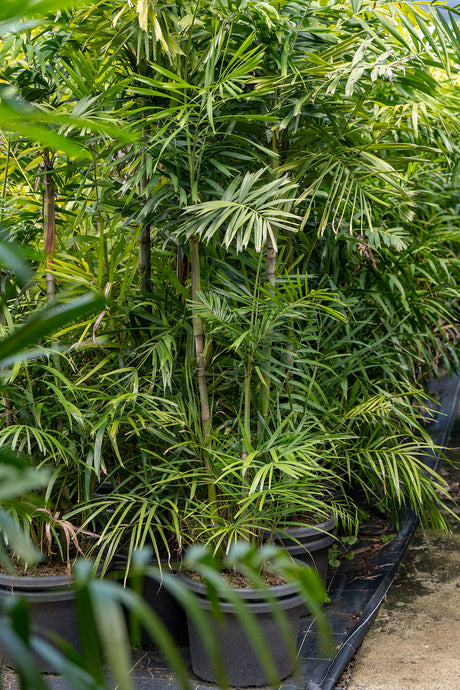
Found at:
<point>52,608</point>
<point>240,663</point>
<point>161,601</point>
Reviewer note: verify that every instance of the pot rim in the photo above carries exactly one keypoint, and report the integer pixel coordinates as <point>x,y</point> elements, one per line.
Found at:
<point>34,581</point>
<point>38,582</point>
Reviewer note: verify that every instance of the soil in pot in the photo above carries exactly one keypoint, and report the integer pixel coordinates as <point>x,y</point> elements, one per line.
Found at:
<point>239,659</point>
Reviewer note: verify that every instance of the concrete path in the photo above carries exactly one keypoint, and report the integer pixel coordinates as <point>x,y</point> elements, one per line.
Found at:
<point>414,643</point>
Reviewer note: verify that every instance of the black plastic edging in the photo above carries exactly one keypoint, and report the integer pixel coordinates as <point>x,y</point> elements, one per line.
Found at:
<point>359,630</point>
<point>440,430</point>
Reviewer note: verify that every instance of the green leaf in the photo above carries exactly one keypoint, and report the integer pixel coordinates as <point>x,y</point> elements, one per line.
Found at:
<point>45,322</point>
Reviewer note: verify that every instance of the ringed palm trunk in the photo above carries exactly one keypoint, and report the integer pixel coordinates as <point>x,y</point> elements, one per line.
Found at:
<point>271,279</point>
<point>49,223</point>
<point>271,257</point>
<point>9,414</point>
<point>289,346</point>
<point>145,257</point>
<point>198,336</point>
<point>49,237</point>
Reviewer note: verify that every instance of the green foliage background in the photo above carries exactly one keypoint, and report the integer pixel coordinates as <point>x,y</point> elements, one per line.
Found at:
<point>265,196</point>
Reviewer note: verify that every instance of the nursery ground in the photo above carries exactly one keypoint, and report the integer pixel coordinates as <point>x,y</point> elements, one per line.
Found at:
<point>415,639</point>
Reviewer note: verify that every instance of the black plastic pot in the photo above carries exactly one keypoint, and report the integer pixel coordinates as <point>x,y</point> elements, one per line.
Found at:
<point>167,608</point>
<point>239,660</point>
<point>310,545</point>
<point>52,607</point>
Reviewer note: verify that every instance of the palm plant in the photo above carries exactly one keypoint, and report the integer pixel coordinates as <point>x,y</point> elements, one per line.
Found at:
<point>18,640</point>
<point>277,180</point>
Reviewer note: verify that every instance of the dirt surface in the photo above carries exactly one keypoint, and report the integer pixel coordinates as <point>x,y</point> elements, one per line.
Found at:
<point>415,640</point>
<point>38,570</point>
<point>239,581</point>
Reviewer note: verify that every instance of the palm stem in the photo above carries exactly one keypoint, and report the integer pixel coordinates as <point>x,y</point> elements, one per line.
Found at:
<point>198,335</point>
<point>103,254</point>
<point>145,259</point>
<point>9,415</point>
<point>289,331</point>
<point>247,409</point>
<point>271,257</point>
<point>5,177</point>
<point>49,235</point>
<point>49,223</point>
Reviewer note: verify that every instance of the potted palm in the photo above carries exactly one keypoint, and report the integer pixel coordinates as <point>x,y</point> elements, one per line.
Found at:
<point>247,618</point>
<point>50,595</point>
<point>245,331</point>
<point>260,470</point>
<point>46,585</point>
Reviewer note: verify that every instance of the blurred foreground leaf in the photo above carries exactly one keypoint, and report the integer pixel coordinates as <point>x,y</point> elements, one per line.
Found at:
<point>45,322</point>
